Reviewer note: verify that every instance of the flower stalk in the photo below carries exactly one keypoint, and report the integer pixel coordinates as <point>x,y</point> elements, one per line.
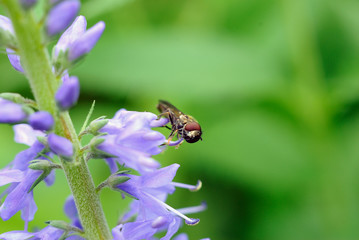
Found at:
<point>37,66</point>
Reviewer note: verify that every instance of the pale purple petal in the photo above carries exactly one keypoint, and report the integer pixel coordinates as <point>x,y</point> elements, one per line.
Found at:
<point>76,30</point>
<point>6,24</point>
<point>18,198</point>
<point>14,60</point>
<point>86,42</point>
<point>15,235</point>
<point>23,158</point>
<point>10,175</point>
<point>160,177</point>
<point>61,16</point>
<point>50,179</point>
<point>49,233</point>
<point>28,212</point>
<point>172,228</point>
<point>25,134</point>
<point>134,230</point>
<point>181,236</point>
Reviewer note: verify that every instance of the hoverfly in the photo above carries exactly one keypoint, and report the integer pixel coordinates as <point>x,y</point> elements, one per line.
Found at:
<point>183,125</point>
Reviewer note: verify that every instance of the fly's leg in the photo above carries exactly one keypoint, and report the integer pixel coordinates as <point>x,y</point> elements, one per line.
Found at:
<point>172,134</point>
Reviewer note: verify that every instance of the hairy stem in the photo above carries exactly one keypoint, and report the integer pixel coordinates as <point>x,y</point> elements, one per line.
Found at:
<point>36,63</point>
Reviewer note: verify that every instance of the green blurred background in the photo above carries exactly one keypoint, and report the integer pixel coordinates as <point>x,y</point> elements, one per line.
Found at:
<point>275,86</point>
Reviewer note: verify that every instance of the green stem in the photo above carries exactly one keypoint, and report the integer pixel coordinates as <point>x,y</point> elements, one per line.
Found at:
<point>36,63</point>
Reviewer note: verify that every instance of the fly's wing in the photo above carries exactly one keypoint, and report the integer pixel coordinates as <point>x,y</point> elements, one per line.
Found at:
<point>164,106</point>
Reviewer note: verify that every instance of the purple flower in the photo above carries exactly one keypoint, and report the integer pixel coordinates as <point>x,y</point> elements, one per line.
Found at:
<point>153,215</point>
<point>60,145</point>
<point>41,120</point>
<point>19,198</point>
<point>22,178</point>
<point>25,134</point>
<point>11,112</point>
<point>68,93</point>
<point>26,4</point>
<point>131,139</point>
<point>152,224</point>
<point>77,41</point>
<point>61,16</point>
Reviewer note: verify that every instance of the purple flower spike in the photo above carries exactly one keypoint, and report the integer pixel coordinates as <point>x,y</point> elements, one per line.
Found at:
<point>86,42</point>
<point>60,145</point>
<point>41,121</point>
<point>27,4</point>
<point>61,16</point>
<point>68,93</point>
<point>11,112</point>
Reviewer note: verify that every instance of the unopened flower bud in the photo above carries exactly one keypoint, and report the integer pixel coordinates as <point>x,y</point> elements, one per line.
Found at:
<point>61,16</point>
<point>60,146</point>
<point>7,37</point>
<point>11,112</point>
<point>63,225</point>
<point>41,120</point>
<point>40,164</point>
<point>115,179</point>
<point>94,127</point>
<point>13,97</point>
<point>68,93</point>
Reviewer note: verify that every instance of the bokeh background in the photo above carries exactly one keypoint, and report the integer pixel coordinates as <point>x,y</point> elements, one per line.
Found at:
<point>275,86</point>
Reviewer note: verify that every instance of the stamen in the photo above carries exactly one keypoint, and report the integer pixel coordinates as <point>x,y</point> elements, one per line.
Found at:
<point>194,209</point>
<point>192,188</point>
<point>189,221</point>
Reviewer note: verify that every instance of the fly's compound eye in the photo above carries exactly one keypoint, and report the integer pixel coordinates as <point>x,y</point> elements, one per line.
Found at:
<point>192,132</point>
<point>192,126</point>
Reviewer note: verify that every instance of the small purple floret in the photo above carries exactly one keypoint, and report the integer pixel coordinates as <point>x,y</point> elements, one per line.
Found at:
<point>60,145</point>
<point>68,93</point>
<point>86,42</point>
<point>41,120</point>
<point>61,16</point>
<point>11,112</point>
